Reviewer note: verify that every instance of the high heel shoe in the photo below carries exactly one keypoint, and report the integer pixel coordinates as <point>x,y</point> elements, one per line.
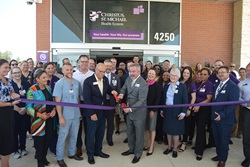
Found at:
<point>148,153</point>
<point>182,147</point>
<point>145,148</point>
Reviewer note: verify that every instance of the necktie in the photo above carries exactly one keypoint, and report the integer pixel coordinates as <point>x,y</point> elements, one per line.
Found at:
<point>107,75</point>
<point>133,82</point>
<point>218,89</point>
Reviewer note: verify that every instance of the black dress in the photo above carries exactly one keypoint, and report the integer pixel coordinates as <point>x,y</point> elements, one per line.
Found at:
<point>6,120</point>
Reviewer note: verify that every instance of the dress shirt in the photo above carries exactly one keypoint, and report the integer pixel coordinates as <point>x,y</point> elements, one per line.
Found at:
<point>100,84</point>
<point>244,87</point>
<point>78,75</point>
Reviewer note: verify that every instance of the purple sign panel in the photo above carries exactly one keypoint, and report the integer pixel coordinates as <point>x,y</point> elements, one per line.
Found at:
<point>43,56</point>
<point>116,35</point>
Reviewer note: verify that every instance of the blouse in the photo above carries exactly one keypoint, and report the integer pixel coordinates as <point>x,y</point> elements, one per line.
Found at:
<point>5,90</point>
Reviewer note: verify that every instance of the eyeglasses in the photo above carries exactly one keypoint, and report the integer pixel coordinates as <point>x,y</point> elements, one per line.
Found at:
<point>100,70</point>
<point>84,61</point>
<point>17,73</point>
<point>156,68</point>
<point>14,64</point>
<point>203,74</point>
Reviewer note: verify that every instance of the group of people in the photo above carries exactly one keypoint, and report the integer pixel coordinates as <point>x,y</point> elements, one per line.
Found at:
<point>136,86</point>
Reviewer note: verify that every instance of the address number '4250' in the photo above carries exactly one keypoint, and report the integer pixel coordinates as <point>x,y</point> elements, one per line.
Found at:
<point>160,36</point>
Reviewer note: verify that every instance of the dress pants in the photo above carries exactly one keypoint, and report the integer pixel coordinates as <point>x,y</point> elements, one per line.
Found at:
<point>221,135</point>
<point>201,118</point>
<point>135,131</point>
<point>54,137</point>
<point>83,123</point>
<point>110,115</point>
<point>245,112</point>
<point>71,128</point>
<point>189,128</point>
<point>95,134</point>
<point>21,128</point>
<point>159,128</point>
<point>42,142</point>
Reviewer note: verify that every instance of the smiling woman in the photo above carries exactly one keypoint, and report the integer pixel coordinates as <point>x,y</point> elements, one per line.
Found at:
<point>6,113</point>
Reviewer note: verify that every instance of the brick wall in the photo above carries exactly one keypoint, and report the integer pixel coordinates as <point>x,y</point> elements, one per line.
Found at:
<point>43,26</point>
<point>207,29</point>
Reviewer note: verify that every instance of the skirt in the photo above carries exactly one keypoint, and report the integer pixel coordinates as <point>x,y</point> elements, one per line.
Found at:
<point>6,130</point>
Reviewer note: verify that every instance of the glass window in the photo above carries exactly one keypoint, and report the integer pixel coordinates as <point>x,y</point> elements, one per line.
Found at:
<point>164,23</point>
<point>67,21</point>
<point>114,21</point>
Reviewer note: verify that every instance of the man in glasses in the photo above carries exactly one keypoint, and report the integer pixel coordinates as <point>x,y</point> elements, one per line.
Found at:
<point>96,88</point>
<point>232,68</point>
<point>81,74</point>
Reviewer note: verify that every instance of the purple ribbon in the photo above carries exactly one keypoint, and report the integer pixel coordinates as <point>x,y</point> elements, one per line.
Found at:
<point>67,104</point>
<point>98,107</point>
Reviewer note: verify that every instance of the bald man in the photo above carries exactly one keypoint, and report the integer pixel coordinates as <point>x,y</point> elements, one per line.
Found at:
<point>95,89</point>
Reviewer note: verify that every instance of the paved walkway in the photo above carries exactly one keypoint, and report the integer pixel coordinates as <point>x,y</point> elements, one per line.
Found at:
<point>185,159</point>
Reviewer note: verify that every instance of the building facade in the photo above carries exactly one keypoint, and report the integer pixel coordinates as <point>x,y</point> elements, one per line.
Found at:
<point>177,30</point>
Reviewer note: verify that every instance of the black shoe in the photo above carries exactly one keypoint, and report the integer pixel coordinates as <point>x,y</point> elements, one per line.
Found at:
<point>245,163</point>
<point>46,162</point>
<point>110,143</point>
<point>136,159</point>
<point>117,132</point>
<point>61,163</point>
<point>198,157</point>
<point>76,157</point>
<point>148,153</point>
<point>125,141</point>
<point>231,142</point>
<point>167,151</point>
<point>91,160</point>
<point>216,158</point>
<point>174,154</point>
<point>126,153</point>
<point>145,148</point>
<point>102,155</point>
<point>193,148</point>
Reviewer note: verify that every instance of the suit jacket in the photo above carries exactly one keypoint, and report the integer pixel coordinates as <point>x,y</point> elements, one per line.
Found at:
<point>229,92</point>
<point>179,98</point>
<point>92,94</point>
<point>115,84</point>
<point>136,96</point>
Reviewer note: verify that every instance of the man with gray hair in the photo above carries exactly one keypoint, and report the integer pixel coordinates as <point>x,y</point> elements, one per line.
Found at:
<point>136,89</point>
<point>115,84</point>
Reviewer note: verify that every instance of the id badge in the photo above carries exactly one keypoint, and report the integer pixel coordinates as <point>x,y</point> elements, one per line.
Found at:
<point>202,90</point>
<point>22,92</point>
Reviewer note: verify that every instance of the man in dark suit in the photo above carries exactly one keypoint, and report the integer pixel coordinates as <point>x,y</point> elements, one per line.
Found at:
<point>115,84</point>
<point>136,89</point>
<point>95,89</point>
<point>223,116</point>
